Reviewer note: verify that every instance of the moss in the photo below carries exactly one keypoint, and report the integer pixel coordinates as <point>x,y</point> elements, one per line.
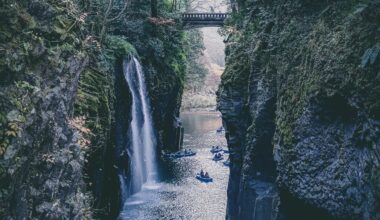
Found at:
<point>31,48</point>
<point>119,46</point>
<point>313,73</point>
<point>237,71</point>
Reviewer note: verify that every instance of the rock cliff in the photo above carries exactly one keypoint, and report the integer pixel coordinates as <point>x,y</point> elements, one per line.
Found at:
<point>41,151</point>
<point>59,95</point>
<point>299,100</point>
<point>161,48</point>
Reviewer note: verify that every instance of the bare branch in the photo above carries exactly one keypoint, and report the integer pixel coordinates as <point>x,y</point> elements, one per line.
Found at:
<point>121,12</point>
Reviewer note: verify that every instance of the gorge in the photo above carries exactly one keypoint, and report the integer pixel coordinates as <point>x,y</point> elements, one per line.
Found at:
<point>90,101</point>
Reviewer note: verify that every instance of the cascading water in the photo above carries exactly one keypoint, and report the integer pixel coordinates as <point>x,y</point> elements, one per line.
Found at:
<point>142,143</point>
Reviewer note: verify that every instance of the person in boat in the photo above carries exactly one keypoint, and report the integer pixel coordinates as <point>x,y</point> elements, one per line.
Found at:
<point>217,156</point>
<point>202,173</point>
<point>206,175</point>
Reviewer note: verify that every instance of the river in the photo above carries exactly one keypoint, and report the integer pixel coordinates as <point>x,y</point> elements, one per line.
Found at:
<point>179,195</point>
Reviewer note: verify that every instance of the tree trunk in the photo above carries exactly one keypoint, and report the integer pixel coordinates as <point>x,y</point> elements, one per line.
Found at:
<point>153,8</point>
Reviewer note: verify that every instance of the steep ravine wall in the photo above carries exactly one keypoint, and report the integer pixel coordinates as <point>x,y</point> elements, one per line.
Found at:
<point>58,89</point>
<point>41,152</point>
<point>299,100</point>
<point>161,49</point>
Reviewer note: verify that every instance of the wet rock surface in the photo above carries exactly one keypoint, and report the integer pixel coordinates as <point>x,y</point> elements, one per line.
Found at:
<point>302,118</point>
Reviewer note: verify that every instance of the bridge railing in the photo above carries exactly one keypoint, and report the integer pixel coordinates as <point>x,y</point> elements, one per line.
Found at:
<point>204,16</point>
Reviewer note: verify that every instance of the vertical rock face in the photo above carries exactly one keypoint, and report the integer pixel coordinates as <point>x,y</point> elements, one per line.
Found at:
<point>41,156</point>
<point>161,49</point>
<point>53,70</point>
<point>298,99</point>
<point>166,103</point>
<point>165,90</point>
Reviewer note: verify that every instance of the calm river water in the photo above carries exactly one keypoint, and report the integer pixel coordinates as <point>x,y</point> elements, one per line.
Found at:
<point>179,195</point>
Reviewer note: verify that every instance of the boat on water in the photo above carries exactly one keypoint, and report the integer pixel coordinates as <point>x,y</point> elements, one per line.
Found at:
<point>217,157</point>
<point>219,130</point>
<point>203,178</point>
<point>179,154</point>
<point>216,149</point>
<point>185,154</point>
<point>227,163</point>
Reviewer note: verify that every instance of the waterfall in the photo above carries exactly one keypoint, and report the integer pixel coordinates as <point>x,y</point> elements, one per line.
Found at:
<point>142,139</point>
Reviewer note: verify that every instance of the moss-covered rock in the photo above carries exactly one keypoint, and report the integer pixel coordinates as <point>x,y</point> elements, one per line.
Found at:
<point>49,64</point>
<point>41,156</point>
<point>161,48</point>
<point>57,103</point>
<point>310,107</point>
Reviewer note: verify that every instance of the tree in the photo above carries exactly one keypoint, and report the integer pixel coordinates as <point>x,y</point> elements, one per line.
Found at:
<point>107,20</point>
<point>101,13</point>
<point>153,7</point>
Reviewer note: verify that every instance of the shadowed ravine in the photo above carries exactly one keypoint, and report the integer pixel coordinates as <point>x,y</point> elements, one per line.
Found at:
<point>87,129</point>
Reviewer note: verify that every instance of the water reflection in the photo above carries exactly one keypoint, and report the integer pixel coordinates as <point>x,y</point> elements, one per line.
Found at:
<point>179,195</point>
<point>200,122</point>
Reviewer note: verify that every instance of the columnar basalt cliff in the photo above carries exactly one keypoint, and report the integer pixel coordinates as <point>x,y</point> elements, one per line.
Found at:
<point>299,100</point>
<point>60,91</point>
<point>41,151</point>
<point>161,46</point>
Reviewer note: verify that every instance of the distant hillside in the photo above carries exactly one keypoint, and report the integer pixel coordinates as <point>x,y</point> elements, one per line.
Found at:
<point>213,59</point>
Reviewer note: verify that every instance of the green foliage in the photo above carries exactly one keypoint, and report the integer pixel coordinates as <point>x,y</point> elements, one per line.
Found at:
<point>195,71</point>
<point>24,38</point>
<point>166,5</point>
<point>19,98</point>
<point>235,19</point>
<point>119,46</point>
<point>237,70</point>
<point>161,48</point>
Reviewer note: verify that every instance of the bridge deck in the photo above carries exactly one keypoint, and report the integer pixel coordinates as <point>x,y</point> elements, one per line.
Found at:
<point>204,19</point>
